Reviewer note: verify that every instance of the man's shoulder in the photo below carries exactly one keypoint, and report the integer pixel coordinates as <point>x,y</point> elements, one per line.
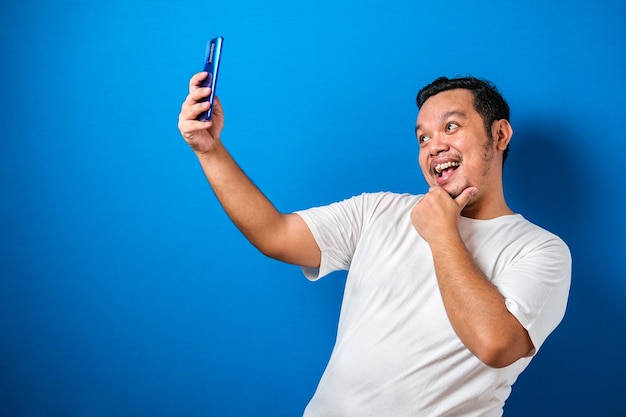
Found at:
<point>523,230</point>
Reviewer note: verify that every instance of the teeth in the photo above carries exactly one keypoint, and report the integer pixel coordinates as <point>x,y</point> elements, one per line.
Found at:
<point>441,167</point>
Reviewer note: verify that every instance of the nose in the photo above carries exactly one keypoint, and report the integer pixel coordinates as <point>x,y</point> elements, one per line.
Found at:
<point>437,145</point>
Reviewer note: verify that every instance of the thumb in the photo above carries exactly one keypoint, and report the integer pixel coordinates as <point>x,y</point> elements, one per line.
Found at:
<point>464,198</point>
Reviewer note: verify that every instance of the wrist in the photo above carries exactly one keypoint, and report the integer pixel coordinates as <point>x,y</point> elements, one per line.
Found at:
<point>209,150</point>
<point>446,241</point>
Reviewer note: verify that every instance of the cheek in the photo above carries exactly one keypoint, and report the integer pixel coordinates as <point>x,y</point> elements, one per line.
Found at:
<point>422,161</point>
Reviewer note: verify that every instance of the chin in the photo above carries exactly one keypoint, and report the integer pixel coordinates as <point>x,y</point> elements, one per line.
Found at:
<point>453,191</point>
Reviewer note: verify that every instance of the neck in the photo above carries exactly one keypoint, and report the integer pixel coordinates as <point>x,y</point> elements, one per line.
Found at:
<point>484,208</point>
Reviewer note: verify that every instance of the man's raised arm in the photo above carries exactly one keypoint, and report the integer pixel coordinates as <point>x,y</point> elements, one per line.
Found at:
<point>285,237</point>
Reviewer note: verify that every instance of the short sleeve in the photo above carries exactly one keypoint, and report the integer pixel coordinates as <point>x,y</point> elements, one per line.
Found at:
<point>536,288</point>
<point>336,228</point>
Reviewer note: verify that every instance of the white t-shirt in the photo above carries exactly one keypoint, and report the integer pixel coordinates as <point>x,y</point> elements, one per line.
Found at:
<point>396,353</point>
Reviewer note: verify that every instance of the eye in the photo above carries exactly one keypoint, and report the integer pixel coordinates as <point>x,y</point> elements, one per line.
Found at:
<point>423,139</point>
<point>451,126</point>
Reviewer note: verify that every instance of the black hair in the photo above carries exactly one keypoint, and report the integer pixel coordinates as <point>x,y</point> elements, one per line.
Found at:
<point>488,101</point>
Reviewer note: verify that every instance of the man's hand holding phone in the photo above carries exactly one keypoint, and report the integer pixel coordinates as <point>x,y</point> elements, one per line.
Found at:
<point>201,135</point>
<point>201,118</point>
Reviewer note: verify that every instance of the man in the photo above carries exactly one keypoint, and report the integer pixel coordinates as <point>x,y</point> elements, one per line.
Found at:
<point>449,294</point>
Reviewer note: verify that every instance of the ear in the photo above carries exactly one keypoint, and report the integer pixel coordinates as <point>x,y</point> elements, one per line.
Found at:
<point>502,132</point>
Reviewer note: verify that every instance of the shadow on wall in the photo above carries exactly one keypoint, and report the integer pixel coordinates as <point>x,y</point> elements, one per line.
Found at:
<point>578,371</point>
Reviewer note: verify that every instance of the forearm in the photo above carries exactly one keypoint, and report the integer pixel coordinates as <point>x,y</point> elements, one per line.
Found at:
<point>475,307</point>
<point>243,202</point>
<point>281,236</point>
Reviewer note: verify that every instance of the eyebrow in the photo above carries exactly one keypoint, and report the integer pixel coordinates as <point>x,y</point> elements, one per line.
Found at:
<point>445,116</point>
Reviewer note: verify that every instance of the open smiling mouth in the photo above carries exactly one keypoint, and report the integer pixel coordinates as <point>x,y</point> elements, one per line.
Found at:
<point>445,168</point>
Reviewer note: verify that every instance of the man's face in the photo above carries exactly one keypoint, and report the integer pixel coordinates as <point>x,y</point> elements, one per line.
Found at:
<point>455,150</point>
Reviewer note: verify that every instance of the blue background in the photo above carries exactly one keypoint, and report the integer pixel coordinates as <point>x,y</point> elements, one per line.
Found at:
<point>124,288</point>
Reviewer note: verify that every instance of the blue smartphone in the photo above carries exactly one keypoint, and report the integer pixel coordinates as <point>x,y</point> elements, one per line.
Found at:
<point>212,66</point>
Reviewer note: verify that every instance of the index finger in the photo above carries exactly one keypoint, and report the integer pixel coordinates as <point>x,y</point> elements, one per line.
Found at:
<point>465,196</point>
<point>197,79</point>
